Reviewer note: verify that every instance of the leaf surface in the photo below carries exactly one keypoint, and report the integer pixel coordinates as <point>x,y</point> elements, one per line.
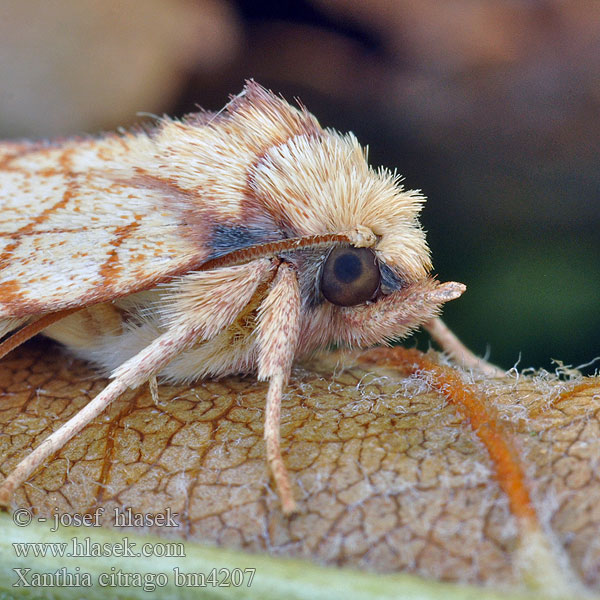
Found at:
<point>388,475</point>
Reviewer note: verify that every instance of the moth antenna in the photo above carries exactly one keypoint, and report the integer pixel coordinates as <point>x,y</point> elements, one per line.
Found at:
<point>131,374</point>
<point>278,333</point>
<point>448,341</point>
<point>28,331</point>
<point>359,237</point>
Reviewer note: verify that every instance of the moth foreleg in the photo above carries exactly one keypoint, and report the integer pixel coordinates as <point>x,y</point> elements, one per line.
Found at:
<point>444,336</point>
<point>58,439</point>
<point>131,374</point>
<point>153,387</point>
<point>201,305</point>
<point>278,331</point>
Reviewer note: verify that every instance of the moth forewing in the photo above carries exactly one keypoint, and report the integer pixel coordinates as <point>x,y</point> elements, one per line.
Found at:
<point>203,243</point>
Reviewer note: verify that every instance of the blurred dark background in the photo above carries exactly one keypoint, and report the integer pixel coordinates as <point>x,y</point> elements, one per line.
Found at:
<point>491,107</point>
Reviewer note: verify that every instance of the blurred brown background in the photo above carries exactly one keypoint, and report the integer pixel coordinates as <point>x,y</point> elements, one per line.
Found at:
<point>491,107</point>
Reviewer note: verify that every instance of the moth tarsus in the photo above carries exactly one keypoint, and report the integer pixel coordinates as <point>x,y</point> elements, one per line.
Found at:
<point>153,387</point>
<point>212,245</point>
<point>447,339</point>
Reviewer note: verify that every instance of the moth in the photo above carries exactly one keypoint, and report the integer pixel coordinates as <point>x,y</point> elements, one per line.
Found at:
<point>221,243</point>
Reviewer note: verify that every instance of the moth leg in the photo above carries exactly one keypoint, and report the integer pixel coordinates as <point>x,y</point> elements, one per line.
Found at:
<point>131,374</point>
<point>153,387</point>
<point>273,443</point>
<point>278,332</point>
<point>191,323</point>
<point>444,336</point>
<point>58,439</point>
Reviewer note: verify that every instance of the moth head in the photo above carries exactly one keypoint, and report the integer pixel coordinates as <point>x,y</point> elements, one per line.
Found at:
<point>280,172</point>
<point>319,184</point>
<point>288,179</point>
<point>375,287</point>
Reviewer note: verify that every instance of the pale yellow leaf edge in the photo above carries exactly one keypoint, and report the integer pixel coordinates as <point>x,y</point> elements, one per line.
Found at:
<point>274,578</point>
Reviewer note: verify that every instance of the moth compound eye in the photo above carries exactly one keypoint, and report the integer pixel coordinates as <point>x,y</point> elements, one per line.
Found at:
<point>350,276</point>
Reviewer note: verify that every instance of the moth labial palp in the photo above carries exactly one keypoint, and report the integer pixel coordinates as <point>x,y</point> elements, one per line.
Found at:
<point>213,245</point>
